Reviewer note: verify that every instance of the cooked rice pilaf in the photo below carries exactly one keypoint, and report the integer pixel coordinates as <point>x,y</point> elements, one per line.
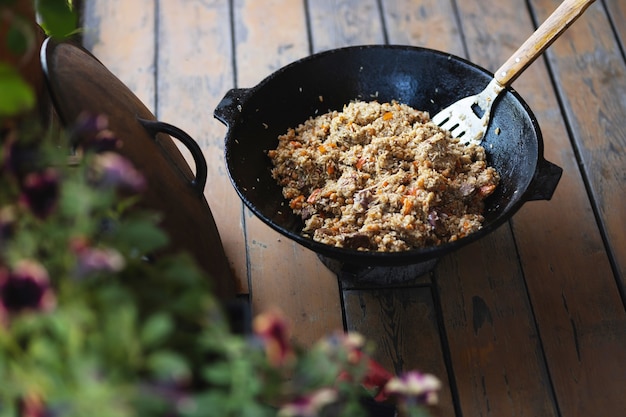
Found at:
<point>382,177</point>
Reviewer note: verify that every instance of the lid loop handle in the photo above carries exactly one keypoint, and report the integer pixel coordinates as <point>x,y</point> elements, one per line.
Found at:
<point>154,126</point>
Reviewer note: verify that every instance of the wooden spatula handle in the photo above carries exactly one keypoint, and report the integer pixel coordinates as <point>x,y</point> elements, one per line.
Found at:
<point>552,28</point>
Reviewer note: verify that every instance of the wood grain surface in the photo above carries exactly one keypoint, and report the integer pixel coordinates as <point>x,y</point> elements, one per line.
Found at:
<point>122,36</point>
<point>528,321</point>
<point>590,73</point>
<point>268,37</point>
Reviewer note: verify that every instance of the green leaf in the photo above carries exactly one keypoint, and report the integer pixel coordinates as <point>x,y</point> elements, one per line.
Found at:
<point>218,373</point>
<point>168,366</point>
<point>9,409</point>
<point>17,41</point>
<point>141,235</point>
<point>43,351</point>
<point>57,17</point>
<point>199,405</point>
<point>80,200</point>
<point>17,95</point>
<point>157,328</point>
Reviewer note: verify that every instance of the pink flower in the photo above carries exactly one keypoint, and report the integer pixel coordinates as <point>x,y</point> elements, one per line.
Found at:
<point>90,260</point>
<point>40,192</point>
<point>415,387</point>
<point>26,287</point>
<point>113,170</point>
<point>32,406</point>
<point>309,405</point>
<point>272,328</point>
<point>376,376</point>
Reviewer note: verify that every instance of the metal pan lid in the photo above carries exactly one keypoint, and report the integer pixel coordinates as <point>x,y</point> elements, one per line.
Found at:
<point>79,83</point>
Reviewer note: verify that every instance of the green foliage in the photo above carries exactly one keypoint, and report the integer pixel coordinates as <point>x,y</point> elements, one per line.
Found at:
<point>58,18</point>
<point>17,40</point>
<point>17,95</point>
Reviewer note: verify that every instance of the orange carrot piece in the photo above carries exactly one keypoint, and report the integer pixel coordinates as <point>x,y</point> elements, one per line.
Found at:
<point>296,203</point>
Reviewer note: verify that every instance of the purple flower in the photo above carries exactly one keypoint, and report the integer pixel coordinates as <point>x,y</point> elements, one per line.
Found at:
<point>91,133</point>
<point>88,124</point>
<point>105,141</point>
<point>25,287</point>
<point>113,170</point>
<point>40,192</point>
<point>414,387</point>
<point>90,260</point>
<point>309,405</point>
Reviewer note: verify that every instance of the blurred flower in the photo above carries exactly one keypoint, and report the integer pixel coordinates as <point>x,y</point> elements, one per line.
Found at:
<point>19,158</point>
<point>350,343</point>
<point>415,387</point>
<point>91,132</point>
<point>105,140</point>
<point>90,259</point>
<point>87,125</point>
<point>32,406</point>
<point>376,376</point>
<point>273,330</point>
<point>26,287</point>
<point>113,170</point>
<point>40,192</point>
<point>309,405</point>
<point>7,223</point>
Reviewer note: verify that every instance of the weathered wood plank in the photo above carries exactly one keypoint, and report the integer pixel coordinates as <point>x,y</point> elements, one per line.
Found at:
<point>268,35</point>
<point>541,227</point>
<point>400,320</point>
<point>566,305</point>
<point>580,313</point>
<point>282,274</point>
<point>493,342</point>
<point>194,63</point>
<point>486,312</point>
<point>338,23</point>
<point>428,23</point>
<point>404,325</point>
<point>617,15</point>
<point>121,35</point>
<point>591,78</point>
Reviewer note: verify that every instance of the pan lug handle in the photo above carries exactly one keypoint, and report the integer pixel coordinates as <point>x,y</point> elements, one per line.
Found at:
<point>545,180</point>
<point>229,108</point>
<point>154,126</point>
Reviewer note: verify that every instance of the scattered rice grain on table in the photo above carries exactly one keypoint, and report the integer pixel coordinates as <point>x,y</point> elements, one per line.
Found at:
<point>382,177</point>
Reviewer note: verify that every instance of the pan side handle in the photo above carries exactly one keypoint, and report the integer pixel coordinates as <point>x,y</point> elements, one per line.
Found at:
<point>545,180</point>
<point>229,108</point>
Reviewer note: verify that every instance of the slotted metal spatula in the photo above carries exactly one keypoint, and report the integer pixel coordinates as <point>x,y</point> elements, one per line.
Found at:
<point>468,118</point>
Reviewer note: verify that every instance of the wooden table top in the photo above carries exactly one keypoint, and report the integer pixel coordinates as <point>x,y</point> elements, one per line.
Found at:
<point>527,321</point>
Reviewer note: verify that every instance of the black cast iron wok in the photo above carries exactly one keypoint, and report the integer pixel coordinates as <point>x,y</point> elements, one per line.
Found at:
<point>422,78</point>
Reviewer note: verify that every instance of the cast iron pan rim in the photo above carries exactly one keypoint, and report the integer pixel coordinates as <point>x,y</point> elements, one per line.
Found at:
<point>251,90</point>
<point>373,258</point>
